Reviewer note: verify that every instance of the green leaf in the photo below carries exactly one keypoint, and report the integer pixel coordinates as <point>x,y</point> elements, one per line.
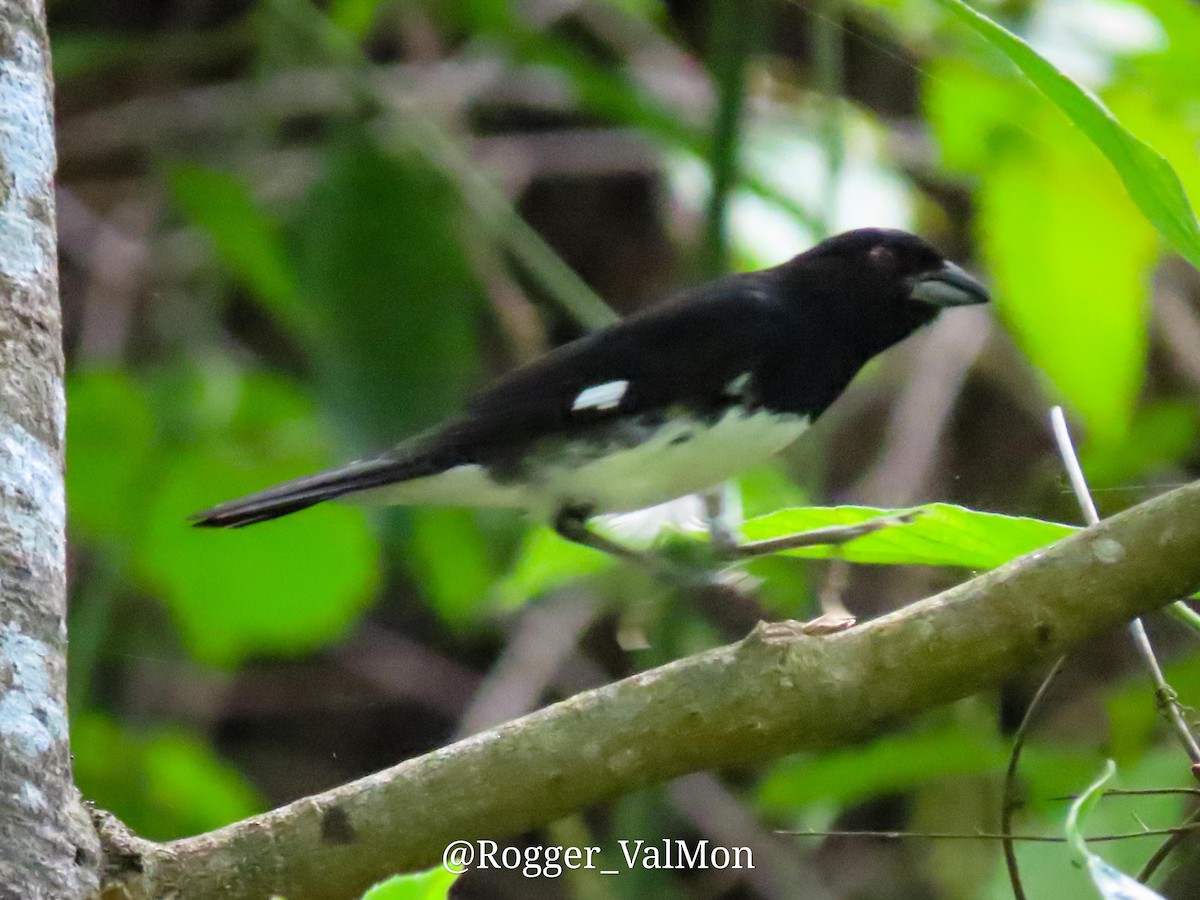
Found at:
<point>940,535</point>
<point>433,884</point>
<point>280,587</point>
<point>1082,805</point>
<point>248,242</point>
<point>1149,178</point>
<point>1078,306</point>
<point>1111,882</point>
<point>1071,267</point>
<point>969,108</point>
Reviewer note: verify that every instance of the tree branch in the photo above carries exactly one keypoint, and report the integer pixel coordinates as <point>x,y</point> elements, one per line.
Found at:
<point>47,845</point>
<point>774,692</point>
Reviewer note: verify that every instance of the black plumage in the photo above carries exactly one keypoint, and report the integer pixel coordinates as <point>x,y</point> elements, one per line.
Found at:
<point>759,354</point>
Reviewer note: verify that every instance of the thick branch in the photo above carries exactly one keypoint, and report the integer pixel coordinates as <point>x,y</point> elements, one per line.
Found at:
<point>773,693</point>
<point>47,845</point>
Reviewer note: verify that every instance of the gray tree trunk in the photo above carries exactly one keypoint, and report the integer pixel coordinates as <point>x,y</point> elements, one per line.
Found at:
<point>48,848</point>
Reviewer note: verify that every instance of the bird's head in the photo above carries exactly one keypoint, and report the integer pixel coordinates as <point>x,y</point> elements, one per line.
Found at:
<point>879,285</point>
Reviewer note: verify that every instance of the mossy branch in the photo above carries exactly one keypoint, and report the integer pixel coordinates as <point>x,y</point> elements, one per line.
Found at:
<point>775,692</point>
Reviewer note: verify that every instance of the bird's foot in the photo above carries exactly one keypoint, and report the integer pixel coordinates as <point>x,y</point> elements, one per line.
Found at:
<point>818,627</point>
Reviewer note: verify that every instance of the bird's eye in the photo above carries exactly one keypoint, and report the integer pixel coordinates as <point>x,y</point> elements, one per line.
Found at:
<point>882,256</point>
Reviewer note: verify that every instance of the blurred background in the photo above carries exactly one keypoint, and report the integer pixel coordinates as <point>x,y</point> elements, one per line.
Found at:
<point>292,234</point>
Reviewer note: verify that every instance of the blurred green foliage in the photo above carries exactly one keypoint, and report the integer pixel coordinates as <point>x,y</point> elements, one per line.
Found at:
<point>432,885</point>
<point>406,355</point>
<point>939,534</point>
<point>1148,177</point>
<point>342,286</point>
<point>163,783</point>
<point>1070,254</point>
<point>229,597</point>
<point>248,242</point>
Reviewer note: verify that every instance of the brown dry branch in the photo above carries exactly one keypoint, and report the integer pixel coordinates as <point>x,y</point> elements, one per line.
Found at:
<point>777,691</point>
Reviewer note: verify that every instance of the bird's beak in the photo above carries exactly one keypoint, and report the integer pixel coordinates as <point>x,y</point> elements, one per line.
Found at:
<point>949,286</point>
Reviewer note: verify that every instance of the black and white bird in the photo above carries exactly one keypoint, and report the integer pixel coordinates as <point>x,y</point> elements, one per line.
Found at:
<point>672,401</point>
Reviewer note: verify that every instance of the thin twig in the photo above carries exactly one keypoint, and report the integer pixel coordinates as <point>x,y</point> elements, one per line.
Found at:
<point>1134,792</point>
<point>1160,855</point>
<point>1165,697</point>
<point>1185,615</point>
<point>1010,779</point>
<point>1185,828</point>
<point>832,535</point>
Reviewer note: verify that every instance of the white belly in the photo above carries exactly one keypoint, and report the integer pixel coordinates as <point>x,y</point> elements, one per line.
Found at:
<point>683,456</point>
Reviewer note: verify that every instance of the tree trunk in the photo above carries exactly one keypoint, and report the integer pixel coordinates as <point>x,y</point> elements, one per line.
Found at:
<point>48,848</point>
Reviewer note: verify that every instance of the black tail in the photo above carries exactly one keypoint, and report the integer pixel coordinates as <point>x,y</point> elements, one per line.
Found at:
<point>292,496</point>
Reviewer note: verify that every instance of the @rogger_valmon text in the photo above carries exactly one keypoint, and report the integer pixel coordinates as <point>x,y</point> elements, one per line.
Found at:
<point>551,861</point>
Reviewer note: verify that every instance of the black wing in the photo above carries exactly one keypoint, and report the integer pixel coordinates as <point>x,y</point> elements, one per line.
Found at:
<point>684,353</point>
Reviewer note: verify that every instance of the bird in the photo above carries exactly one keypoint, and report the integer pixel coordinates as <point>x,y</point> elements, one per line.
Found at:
<point>673,400</point>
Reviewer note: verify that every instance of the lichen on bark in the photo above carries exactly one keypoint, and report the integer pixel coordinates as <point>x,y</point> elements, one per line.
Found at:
<point>48,847</point>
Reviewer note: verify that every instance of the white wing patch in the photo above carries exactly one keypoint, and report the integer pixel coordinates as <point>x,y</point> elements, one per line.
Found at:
<point>601,396</point>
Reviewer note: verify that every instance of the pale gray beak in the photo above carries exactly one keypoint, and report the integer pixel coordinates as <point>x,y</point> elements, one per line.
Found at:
<point>949,286</point>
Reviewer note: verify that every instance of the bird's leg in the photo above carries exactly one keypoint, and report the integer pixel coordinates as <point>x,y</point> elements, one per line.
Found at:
<point>571,523</point>
<point>832,536</point>
<point>716,517</point>
<point>834,615</point>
